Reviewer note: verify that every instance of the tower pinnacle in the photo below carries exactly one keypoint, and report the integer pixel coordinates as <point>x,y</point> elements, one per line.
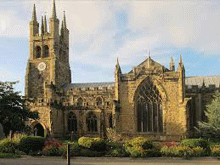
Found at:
<point>64,20</point>
<point>34,17</point>
<point>42,26</point>
<point>45,24</point>
<point>54,15</point>
<point>172,64</point>
<point>181,60</point>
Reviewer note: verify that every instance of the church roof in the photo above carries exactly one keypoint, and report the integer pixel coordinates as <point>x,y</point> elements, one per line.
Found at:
<point>199,80</point>
<point>94,84</point>
<point>193,80</point>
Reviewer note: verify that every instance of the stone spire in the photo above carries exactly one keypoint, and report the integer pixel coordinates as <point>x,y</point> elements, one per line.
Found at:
<point>54,15</point>
<point>45,24</point>
<point>62,30</point>
<point>117,66</point>
<point>64,20</point>
<point>172,64</point>
<point>181,63</point>
<point>34,16</point>
<point>42,26</point>
<point>181,60</point>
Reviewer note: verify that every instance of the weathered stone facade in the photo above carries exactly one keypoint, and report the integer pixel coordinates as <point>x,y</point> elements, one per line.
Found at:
<point>151,100</point>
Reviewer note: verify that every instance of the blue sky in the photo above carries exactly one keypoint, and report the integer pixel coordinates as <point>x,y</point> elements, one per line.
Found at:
<point>101,31</point>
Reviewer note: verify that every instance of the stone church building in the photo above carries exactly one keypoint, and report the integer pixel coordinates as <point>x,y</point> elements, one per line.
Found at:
<point>150,100</point>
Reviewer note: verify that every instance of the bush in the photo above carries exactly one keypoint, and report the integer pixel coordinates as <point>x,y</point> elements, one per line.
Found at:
<point>7,146</point>
<point>195,143</point>
<point>178,151</point>
<point>198,151</point>
<point>85,142</point>
<point>140,147</point>
<point>215,150</point>
<point>31,143</point>
<point>74,149</point>
<point>99,146</point>
<point>89,153</point>
<point>170,144</point>
<point>118,152</point>
<point>140,141</point>
<point>52,147</point>
<point>17,137</point>
<point>52,151</point>
<point>192,143</point>
<point>94,144</point>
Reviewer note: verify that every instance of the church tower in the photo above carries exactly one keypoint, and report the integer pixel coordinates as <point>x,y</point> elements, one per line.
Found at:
<point>48,64</point>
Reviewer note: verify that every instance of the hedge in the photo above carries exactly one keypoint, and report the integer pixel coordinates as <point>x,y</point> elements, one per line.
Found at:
<point>31,143</point>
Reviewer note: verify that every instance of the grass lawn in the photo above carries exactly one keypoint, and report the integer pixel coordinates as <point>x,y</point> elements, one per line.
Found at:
<point>9,155</point>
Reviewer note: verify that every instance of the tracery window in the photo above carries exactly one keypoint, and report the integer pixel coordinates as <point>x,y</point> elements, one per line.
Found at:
<point>91,122</point>
<point>149,108</point>
<point>38,52</point>
<point>72,122</point>
<point>46,51</point>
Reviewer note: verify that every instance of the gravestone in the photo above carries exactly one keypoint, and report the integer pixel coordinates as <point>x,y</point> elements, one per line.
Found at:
<point>2,134</point>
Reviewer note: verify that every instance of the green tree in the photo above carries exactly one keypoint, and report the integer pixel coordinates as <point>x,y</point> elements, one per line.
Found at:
<point>13,113</point>
<point>211,128</point>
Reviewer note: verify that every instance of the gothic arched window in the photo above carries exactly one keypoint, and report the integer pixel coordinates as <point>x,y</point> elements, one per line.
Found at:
<point>80,102</point>
<point>72,122</point>
<point>38,52</point>
<point>91,122</point>
<point>98,101</point>
<point>46,51</point>
<point>149,108</point>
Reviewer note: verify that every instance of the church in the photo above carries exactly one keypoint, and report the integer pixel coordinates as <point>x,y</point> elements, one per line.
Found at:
<point>151,100</point>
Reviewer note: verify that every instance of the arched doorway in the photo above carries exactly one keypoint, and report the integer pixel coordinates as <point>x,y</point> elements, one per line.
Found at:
<point>38,130</point>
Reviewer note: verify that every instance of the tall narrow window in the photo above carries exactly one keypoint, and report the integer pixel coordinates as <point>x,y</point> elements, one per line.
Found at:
<point>91,122</point>
<point>38,52</point>
<point>72,122</point>
<point>149,108</point>
<point>46,51</point>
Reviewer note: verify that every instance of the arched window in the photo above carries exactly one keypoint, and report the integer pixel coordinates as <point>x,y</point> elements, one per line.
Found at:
<point>149,108</point>
<point>72,122</point>
<point>91,122</point>
<point>98,101</point>
<point>46,51</point>
<point>80,102</point>
<point>38,52</point>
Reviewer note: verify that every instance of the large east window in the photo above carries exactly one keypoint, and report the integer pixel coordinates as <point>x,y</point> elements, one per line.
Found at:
<point>149,108</point>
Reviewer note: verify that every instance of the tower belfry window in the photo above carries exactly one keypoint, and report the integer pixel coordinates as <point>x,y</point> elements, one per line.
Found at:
<point>38,52</point>
<point>46,51</point>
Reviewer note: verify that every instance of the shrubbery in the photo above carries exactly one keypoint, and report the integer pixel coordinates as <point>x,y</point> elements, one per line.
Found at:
<point>94,147</point>
<point>94,144</point>
<point>52,147</point>
<point>193,143</point>
<point>215,150</point>
<point>31,143</point>
<point>177,151</point>
<point>140,147</point>
<point>7,146</point>
<point>74,149</point>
